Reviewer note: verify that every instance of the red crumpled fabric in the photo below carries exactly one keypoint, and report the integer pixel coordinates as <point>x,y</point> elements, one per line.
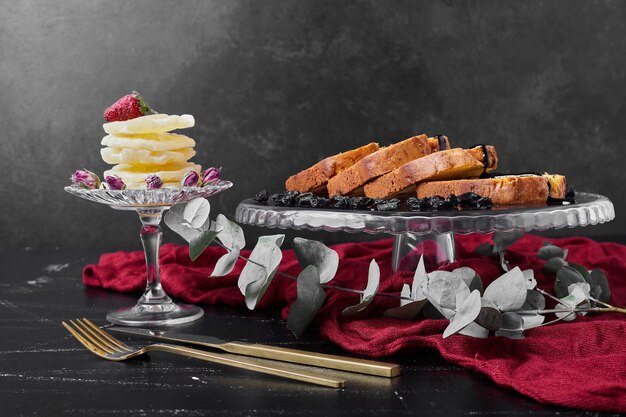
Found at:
<point>579,364</point>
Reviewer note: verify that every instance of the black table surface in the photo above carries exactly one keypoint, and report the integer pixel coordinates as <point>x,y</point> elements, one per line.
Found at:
<point>44,371</point>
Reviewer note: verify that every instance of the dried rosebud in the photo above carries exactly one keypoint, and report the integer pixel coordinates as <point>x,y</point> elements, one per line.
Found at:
<point>191,179</point>
<point>153,182</point>
<point>114,182</point>
<point>211,175</point>
<point>85,179</point>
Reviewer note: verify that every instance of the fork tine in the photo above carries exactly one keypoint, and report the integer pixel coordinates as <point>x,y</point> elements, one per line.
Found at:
<point>93,340</point>
<point>107,336</point>
<point>91,347</point>
<point>97,334</point>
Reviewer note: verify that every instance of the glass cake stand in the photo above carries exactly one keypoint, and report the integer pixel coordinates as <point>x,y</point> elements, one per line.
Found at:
<point>430,233</point>
<point>155,307</point>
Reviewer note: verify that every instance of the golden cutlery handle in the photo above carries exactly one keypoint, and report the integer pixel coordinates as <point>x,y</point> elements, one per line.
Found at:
<point>251,366</point>
<point>342,363</point>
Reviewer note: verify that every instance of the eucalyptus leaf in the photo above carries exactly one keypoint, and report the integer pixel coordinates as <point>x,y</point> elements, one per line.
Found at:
<point>529,276</point>
<point>486,249</point>
<point>443,289</point>
<point>599,286</point>
<point>489,318</point>
<point>373,281</point>
<point>468,309</point>
<point>175,221</point>
<point>502,240</point>
<point>512,326</point>
<point>467,274</point>
<point>534,301</point>
<point>474,330</point>
<point>566,276</point>
<point>407,311</point>
<point>310,299</point>
<point>261,267</point>
<point>507,292</point>
<point>552,265</point>
<point>584,272</point>
<point>196,212</point>
<point>531,321</point>
<point>226,263</point>
<point>231,233</point>
<point>201,242</point>
<point>419,279</point>
<point>311,252</point>
<point>504,264</point>
<point>431,312</point>
<point>550,251</point>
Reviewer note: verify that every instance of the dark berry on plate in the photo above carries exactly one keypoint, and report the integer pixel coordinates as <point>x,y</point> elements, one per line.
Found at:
<point>306,200</point>
<point>340,202</point>
<point>570,194</point>
<point>389,205</point>
<point>262,196</point>
<point>452,200</point>
<point>484,203</point>
<point>469,200</point>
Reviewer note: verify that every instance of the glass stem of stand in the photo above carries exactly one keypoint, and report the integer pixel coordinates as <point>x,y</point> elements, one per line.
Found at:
<point>151,236</point>
<point>436,248</point>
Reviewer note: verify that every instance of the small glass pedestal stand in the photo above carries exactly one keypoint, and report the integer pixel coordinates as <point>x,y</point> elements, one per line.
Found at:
<point>155,307</point>
<point>430,234</point>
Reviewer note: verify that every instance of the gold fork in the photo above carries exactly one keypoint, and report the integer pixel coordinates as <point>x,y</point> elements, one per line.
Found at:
<point>107,347</point>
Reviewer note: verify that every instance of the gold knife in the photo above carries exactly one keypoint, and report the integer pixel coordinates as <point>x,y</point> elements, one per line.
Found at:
<point>343,363</point>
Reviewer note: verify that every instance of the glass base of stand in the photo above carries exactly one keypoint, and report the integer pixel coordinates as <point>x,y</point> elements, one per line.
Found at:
<point>436,248</point>
<point>146,315</point>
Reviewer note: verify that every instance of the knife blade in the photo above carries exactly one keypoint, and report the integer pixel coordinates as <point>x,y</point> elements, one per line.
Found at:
<point>343,363</point>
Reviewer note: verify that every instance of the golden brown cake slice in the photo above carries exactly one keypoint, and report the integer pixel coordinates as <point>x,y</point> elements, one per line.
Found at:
<point>503,190</point>
<point>378,163</point>
<point>442,165</point>
<point>316,177</point>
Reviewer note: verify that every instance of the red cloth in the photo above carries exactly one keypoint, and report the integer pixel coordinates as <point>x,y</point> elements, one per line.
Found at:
<point>580,364</point>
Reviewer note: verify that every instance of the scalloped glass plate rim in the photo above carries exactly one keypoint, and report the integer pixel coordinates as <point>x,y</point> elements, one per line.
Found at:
<point>168,196</point>
<point>462,221</point>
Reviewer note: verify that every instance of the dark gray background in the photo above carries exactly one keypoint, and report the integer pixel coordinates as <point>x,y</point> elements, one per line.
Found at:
<point>277,85</point>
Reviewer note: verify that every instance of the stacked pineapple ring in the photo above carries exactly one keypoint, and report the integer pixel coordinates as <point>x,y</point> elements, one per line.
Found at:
<point>143,146</point>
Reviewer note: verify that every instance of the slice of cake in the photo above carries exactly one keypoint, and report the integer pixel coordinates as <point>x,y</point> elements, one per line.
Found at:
<point>442,165</point>
<point>315,178</point>
<point>378,163</point>
<point>503,190</point>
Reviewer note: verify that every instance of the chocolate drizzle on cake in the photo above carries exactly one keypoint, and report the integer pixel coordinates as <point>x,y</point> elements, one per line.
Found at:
<point>443,142</point>
<point>486,159</point>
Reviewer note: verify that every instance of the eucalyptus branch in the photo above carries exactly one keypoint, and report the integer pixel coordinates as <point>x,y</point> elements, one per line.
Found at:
<point>334,287</point>
<point>574,310</point>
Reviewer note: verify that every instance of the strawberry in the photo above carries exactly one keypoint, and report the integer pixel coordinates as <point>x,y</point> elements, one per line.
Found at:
<point>128,107</point>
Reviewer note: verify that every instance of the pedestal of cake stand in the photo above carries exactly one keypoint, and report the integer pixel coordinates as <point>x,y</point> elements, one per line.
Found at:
<point>436,248</point>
